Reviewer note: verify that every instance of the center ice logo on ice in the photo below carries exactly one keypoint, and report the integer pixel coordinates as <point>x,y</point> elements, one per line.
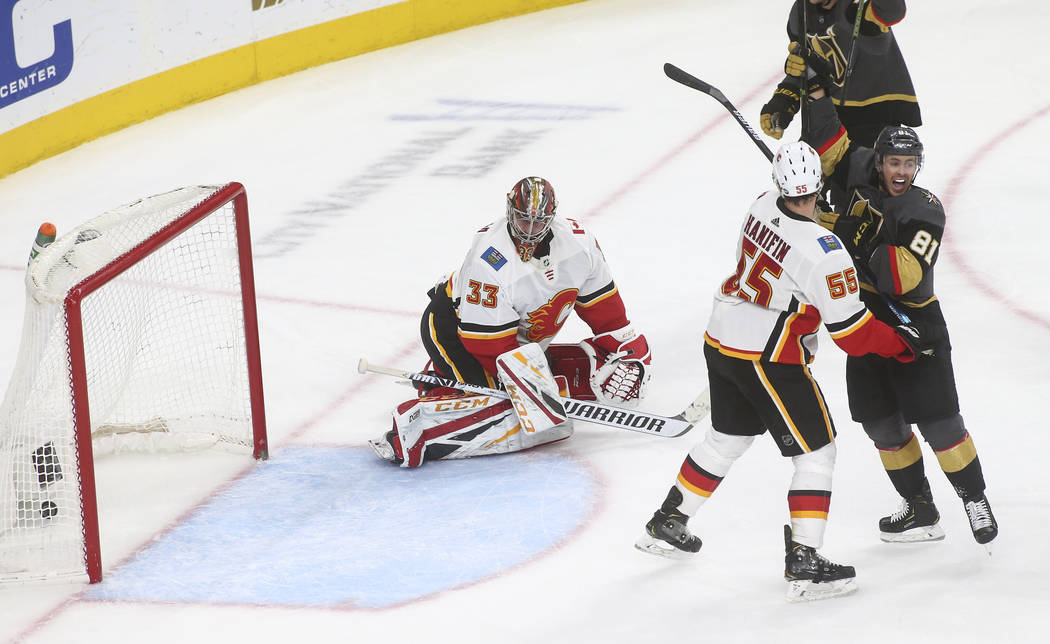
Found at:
<point>17,82</point>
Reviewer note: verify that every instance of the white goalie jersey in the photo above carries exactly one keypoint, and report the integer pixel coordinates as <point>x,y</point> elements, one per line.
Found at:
<point>500,297</point>
<point>791,276</point>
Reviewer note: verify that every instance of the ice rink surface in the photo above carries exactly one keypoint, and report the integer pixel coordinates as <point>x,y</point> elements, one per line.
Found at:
<point>366,179</point>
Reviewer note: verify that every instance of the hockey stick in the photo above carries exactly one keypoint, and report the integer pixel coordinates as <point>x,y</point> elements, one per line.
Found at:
<point>803,46</point>
<point>857,20</point>
<point>587,410</point>
<point>687,79</point>
<point>679,76</point>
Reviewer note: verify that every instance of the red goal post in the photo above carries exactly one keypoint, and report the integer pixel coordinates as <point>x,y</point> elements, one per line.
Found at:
<point>140,333</point>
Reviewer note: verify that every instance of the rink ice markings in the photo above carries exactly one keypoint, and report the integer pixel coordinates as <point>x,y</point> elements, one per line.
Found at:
<point>721,117</point>
<point>409,350</point>
<point>343,557</point>
<point>956,187</point>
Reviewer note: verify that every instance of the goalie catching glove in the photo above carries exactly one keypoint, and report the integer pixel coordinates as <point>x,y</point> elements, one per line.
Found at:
<point>620,366</point>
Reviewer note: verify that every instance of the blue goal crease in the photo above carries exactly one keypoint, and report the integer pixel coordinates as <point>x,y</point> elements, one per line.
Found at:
<point>338,527</point>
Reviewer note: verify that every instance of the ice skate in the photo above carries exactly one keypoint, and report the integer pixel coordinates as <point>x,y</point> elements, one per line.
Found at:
<point>384,447</point>
<point>666,535</point>
<point>810,576</point>
<point>916,520</point>
<point>982,522</point>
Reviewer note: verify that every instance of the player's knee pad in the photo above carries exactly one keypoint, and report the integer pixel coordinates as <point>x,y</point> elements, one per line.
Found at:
<point>718,451</point>
<point>942,434</point>
<point>813,471</point>
<point>888,433</point>
<point>820,461</point>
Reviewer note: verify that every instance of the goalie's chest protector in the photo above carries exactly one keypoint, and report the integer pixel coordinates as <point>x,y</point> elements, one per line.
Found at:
<point>497,294</point>
<point>791,275</point>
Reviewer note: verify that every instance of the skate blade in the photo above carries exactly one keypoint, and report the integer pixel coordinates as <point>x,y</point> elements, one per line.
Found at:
<point>925,533</point>
<point>660,548</point>
<point>383,449</point>
<point>808,591</point>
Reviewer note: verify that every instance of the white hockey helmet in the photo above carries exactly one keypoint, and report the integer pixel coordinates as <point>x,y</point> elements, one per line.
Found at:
<point>796,170</point>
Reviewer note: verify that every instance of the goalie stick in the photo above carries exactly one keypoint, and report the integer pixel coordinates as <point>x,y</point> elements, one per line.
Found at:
<point>685,78</point>
<point>587,410</point>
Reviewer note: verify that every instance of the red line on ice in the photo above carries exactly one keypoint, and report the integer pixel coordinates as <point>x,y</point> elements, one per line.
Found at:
<point>955,188</point>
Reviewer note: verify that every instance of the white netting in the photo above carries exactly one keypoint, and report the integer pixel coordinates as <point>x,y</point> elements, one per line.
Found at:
<point>166,368</point>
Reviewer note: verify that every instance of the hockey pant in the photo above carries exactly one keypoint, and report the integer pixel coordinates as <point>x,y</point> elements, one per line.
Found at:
<point>466,425</point>
<point>809,494</point>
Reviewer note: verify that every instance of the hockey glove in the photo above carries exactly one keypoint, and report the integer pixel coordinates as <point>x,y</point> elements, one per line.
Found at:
<point>819,72</point>
<point>917,342</point>
<point>858,233</point>
<point>778,112</point>
<point>620,366</point>
<point>826,217</point>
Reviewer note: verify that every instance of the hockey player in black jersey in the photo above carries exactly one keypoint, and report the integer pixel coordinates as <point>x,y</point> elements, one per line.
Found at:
<point>894,230</point>
<point>879,90</point>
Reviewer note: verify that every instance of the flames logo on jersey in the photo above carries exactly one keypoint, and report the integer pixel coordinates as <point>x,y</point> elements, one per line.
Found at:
<point>545,321</point>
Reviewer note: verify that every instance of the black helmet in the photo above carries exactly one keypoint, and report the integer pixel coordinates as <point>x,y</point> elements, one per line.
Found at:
<point>898,139</point>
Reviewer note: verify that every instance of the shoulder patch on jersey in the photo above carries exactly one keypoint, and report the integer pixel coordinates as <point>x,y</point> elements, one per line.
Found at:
<point>931,198</point>
<point>829,243</point>
<point>494,258</point>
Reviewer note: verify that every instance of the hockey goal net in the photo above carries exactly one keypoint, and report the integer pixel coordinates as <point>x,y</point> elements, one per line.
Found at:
<point>140,333</point>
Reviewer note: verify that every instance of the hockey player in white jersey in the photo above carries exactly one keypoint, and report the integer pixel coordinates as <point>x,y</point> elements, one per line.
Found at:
<point>491,323</point>
<point>791,277</point>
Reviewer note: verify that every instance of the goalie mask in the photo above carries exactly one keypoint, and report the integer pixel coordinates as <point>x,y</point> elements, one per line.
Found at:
<point>796,170</point>
<point>531,205</point>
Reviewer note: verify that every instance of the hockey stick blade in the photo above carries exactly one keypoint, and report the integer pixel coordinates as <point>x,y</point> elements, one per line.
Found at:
<point>679,75</point>
<point>586,410</point>
<point>698,409</point>
<point>685,78</point>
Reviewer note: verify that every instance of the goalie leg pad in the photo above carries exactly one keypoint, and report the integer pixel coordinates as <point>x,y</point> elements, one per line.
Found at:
<point>462,426</point>
<point>534,395</point>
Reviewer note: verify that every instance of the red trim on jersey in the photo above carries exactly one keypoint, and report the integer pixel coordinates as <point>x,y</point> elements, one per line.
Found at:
<point>881,20</point>
<point>487,350</point>
<point>730,351</point>
<point>874,336</point>
<point>604,315</point>
<point>832,141</point>
<point>789,346</point>
<point>895,270</point>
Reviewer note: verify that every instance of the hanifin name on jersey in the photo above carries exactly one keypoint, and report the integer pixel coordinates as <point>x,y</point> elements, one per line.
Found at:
<point>766,239</point>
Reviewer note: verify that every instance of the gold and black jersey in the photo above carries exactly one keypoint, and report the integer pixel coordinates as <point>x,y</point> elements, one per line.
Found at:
<point>880,89</point>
